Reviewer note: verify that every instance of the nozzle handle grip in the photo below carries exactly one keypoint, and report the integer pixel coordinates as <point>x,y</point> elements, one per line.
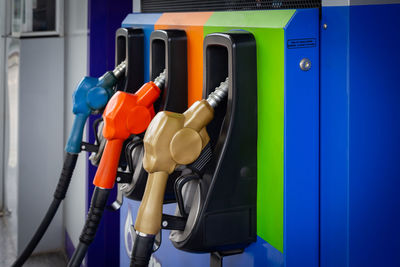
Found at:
<point>107,170</point>
<point>73,145</point>
<point>97,206</point>
<point>66,174</point>
<point>149,216</point>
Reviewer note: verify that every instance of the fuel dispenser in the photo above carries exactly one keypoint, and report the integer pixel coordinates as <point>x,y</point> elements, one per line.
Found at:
<point>90,97</point>
<point>319,105</point>
<point>129,114</point>
<point>287,143</point>
<point>220,210</point>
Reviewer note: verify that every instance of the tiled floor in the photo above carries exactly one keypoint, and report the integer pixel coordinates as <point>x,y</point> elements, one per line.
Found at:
<point>8,251</point>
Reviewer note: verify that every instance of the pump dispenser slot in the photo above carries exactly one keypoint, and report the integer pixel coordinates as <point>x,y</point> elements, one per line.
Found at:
<point>217,70</point>
<point>129,48</point>
<point>222,204</point>
<point>168,51</point>
<point>157,57</point>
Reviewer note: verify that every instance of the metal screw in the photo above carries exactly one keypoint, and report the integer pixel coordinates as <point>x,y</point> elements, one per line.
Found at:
<point>118,179</point>
<point>325,26</point>
<point>305,64</point>
<point>164,223</point>
<point>83,147</point>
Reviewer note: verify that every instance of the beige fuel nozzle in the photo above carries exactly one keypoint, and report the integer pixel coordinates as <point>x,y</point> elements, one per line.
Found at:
<point>170,140</point>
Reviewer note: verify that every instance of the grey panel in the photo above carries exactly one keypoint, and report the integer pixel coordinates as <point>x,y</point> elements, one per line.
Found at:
<point>2,102</point>
<point>357,2</point>
<point>39,108</point>
<point>137,6</point>
<point>4,30</point>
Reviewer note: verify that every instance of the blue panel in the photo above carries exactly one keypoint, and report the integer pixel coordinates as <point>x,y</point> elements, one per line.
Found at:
<point>334,142</point>
<point>260,253</point>
<point>301,143</point>
<point>374,171</point>
<point>360,120</point>
<point>104,19</point>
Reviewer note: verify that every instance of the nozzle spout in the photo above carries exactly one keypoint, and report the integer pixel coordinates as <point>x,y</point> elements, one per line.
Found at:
<point>160,80</point>
<point>119,70</point>
<point>219,93</point>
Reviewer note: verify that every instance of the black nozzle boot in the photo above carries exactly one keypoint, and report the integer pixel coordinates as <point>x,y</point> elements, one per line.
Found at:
<point>97,206</point>
<point>142,249</point>
<point>66,174</point>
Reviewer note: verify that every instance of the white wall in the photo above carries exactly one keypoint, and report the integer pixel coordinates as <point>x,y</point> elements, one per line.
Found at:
<point>76,41</point>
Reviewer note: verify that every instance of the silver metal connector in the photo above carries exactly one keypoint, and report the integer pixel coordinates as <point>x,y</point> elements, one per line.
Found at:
<point>119,70</point>
<point>160,80</point>
<point>219,94</point>
<point>143,234</point>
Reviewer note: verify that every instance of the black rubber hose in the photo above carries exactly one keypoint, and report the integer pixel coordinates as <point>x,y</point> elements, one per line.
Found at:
<point>97,206</point>
<point>59,195</point>
<point>79,255</point>
<point>142,250</point>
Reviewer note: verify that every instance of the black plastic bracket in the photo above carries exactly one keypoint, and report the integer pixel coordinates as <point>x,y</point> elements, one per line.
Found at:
<point>124,177</point>
<point>129,44</point>
<point>89,147</point>
<point>179,183</point>
<point>216,258</point>
<point>171,222</point>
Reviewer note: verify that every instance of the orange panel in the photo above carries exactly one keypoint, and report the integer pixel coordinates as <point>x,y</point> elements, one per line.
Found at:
<point>192,23</point>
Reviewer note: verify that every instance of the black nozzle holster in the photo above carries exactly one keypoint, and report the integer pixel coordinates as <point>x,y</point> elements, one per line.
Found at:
<point>225,213</point>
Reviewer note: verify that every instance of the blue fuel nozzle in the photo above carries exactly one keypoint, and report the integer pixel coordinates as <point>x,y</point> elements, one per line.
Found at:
<point>91,95</point>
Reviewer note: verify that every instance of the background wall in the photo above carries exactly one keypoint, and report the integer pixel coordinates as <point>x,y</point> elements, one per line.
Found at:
<point>33,148</point>
<point>76,54</point>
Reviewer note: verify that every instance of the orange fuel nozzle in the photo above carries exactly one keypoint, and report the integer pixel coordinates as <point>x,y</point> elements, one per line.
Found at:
<point>125,114</point>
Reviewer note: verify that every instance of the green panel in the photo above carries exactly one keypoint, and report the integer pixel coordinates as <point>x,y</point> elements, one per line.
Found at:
<point>268,30</point>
